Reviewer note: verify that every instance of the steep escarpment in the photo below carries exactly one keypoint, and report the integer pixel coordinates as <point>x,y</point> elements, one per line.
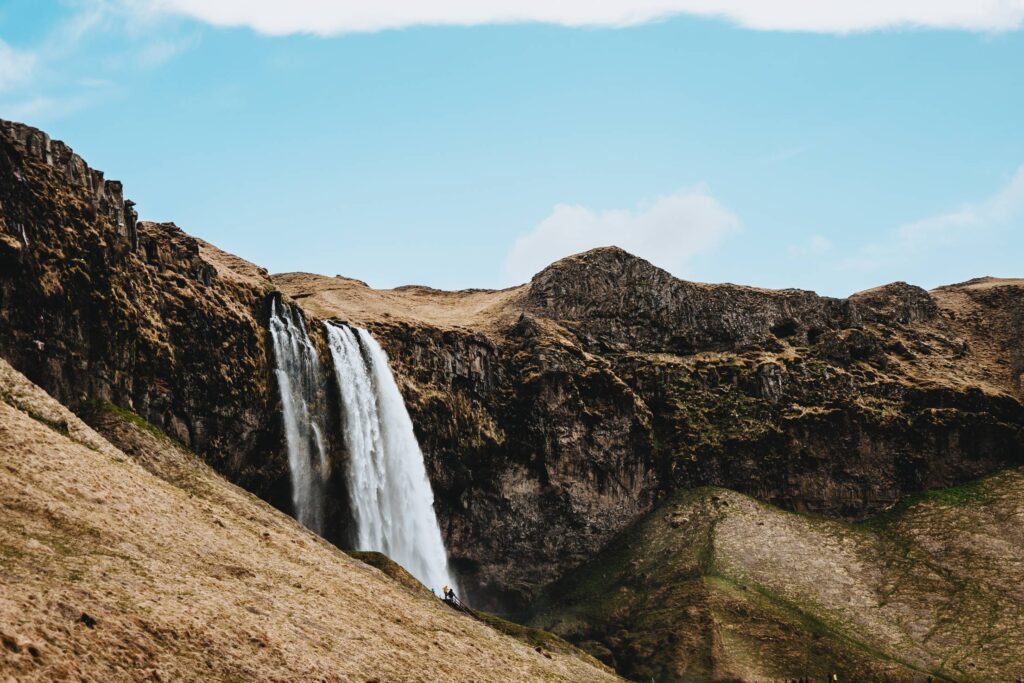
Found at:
<point>135,561</point>
<point>94,305</point>
<point>553,416</point>
<point>613,301</point>
<point>537,452</point>
<point>554,413</point>
<point>840,407</point>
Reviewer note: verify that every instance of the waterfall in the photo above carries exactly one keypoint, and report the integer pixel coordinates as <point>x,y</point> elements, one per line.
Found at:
<point>300,380</point>
<point>391,497</point>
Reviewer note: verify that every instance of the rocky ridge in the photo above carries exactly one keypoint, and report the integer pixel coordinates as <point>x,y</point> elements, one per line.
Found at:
<point>553,415</point>
<point>95,305</point>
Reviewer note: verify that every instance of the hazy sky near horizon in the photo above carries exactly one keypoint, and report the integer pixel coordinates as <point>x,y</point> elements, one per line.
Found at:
<point>827,146</point>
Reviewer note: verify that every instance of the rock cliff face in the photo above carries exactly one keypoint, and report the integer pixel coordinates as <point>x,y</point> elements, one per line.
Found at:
<point>537,452</point>
<point>552,415</point>
<point>94,305</point>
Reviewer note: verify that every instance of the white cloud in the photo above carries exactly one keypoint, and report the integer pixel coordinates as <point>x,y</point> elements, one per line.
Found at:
<point>667,232</point>
<point>332,17</point>
<point>970,222</point>
<point>158,52</point>
<point>16,67</point>
<point>815,246</point>
<point>42,107</point>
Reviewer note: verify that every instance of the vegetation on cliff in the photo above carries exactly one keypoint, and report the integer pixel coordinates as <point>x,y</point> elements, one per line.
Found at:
<point>712,584</point>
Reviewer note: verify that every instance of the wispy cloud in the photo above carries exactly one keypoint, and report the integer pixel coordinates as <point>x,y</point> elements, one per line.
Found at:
<point>16,66</point>
<point>46,80</point>
<point>668,231</point>
<point>971,222</point>
<point>331,17</point>
<point>159,52</point>
<point>43,107</point>
<point>816,245</point>
<point>785,154</point>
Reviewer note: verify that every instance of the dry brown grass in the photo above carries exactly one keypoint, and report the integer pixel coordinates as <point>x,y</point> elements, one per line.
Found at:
<point>231,267</point>
<point>352,300</point>
<point>183,576</point>
<point>988,313</point>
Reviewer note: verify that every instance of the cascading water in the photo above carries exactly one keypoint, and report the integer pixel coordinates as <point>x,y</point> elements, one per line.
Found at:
<point>391,496</point>
<point>300,380</point>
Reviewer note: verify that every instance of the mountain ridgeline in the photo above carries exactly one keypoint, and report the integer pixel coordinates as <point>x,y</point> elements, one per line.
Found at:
<point>567,428</point>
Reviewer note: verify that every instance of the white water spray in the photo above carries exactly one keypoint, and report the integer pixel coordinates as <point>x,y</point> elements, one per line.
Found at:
<point>391,496</point>
<point>300,380</point>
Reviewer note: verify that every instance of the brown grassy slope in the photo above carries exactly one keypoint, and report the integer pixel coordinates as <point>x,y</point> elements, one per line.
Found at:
<point>110,573</point>
<point>480,310</point>
<point>714,585</point>
<point>989,313</point>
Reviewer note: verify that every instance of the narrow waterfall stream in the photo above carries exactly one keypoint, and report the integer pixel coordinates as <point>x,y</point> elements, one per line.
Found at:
<point>391,495</point>
<point>300,379</point>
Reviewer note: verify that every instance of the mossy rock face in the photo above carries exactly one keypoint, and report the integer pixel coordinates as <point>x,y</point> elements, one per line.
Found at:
<point>93,411</point>
<point>557,427</point>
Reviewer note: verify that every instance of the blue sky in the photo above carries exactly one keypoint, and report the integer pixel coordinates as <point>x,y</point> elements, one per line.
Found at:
<point>827,151</point>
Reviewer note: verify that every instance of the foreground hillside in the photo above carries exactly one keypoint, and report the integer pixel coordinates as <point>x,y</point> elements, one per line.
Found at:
<point>140,563</point>
<point>553,417</point>
<point>714,585</point>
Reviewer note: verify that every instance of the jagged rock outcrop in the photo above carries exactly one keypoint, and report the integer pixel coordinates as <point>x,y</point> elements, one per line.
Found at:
<point>614,301</point>
<point>553,413</point>
<point>94,305</point>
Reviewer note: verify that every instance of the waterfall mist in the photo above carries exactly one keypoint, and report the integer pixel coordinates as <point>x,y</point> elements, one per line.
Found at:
<point>300,379</point>
<point>392,501</point>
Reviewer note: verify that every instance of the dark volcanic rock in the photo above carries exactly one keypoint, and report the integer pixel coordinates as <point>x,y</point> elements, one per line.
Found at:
<point>551,415</point>
<point>96,306</point>
<point>537,452</point>
<point>555,413</point>
<point>615,301</point>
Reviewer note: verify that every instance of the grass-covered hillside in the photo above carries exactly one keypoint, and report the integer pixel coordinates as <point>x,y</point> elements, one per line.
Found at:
<point>125,558</point>
<point>713,585</point>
